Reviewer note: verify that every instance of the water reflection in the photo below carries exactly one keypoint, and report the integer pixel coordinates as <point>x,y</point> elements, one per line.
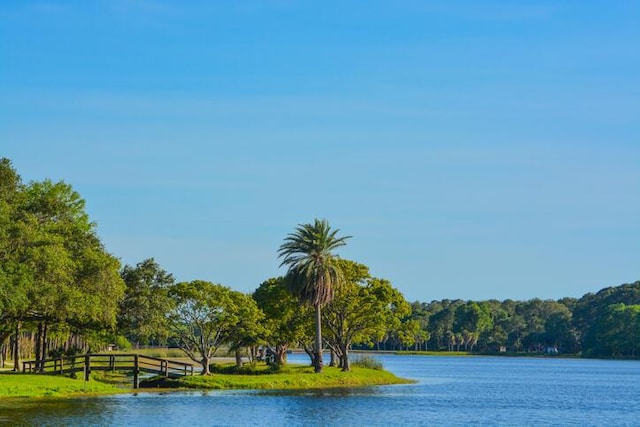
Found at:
<point>50,411</point>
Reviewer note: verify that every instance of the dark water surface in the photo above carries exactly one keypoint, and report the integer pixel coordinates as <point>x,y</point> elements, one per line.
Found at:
<point>450,391</point>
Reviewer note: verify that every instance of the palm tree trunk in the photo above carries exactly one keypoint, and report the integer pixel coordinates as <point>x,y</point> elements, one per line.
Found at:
<point>318,359</point>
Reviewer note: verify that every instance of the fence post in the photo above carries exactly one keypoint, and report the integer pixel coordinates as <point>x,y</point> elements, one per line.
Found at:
<point>87,367</point>
<point>136,372</point>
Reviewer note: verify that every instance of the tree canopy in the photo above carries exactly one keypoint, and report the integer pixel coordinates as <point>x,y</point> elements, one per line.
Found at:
<point>55,272</point>
<point>207,315</point>
<point>142,315</point>
<point>362,312</point>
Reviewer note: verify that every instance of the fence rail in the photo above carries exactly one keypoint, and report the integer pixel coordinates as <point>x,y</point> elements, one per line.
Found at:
<point>135,363</point>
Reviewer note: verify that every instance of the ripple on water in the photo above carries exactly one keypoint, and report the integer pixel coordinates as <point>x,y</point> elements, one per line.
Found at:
<point>450,391</point>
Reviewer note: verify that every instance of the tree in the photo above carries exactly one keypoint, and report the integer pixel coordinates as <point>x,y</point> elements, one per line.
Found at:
<point>363,311</point>
<point>13,274</point>
<point>286,322</point>
<point>441,323</point>
<point>472,319</point>
<point>55,267</point>
<point>143,311</point>
<point>312,272</point>
<point>618,331</point>
<point>249,330</point>
<point>203,316</point>
<point>592,310</point>
<point>73,279</point>
<point>559,330</point>
<point>417,325</point>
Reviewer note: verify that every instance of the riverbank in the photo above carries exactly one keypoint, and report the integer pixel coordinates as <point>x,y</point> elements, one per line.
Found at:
<point>14,385</point>
<point>293,377</point>
<point>290,377</point>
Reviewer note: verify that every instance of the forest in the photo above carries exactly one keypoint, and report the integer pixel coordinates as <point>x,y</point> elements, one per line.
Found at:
<point>63,293</point>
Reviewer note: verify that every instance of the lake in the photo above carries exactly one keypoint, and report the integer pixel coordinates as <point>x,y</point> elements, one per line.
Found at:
<point>450,391</point>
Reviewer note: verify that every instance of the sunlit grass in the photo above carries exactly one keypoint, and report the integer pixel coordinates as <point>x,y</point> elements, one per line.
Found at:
<point>31,385</point>
<point>293,377</point>
<point>13,385</point>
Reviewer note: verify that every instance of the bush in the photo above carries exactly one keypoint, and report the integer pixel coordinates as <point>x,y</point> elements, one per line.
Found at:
<point>122,343</point>
<point>366,361</point>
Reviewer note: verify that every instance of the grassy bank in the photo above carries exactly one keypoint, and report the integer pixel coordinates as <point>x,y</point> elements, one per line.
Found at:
<point>14,385</point>
<point>289,377</point>
<point>29,385</point>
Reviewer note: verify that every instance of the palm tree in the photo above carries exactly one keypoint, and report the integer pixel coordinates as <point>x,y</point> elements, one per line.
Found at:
<point>313,274</point>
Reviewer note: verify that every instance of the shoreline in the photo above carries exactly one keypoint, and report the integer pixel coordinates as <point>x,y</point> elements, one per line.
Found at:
<point>292,377</point>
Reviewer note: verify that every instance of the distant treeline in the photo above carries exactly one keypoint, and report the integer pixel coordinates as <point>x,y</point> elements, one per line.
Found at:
<point>604,324</point>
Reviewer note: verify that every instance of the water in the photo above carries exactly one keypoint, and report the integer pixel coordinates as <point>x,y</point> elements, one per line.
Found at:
<point>450,391</point>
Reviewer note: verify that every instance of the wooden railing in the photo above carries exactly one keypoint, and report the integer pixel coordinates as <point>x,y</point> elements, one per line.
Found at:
<point>110,362</point>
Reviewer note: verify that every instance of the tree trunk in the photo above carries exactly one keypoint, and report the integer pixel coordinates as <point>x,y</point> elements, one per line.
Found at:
<point>317,363</point>
<point>205,365</point>
<point>281,355</point>
<point>238,358</point>
<point>310,353</point>
<point>346,366</point>
<point>16,349</point>
<point>38,348</point>
<point>45,343</point>
<point>333,358</point>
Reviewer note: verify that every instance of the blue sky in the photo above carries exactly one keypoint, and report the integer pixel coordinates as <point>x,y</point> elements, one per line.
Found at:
<point>472,149</point>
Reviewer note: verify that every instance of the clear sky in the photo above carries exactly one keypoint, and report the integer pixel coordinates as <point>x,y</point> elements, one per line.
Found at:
<point>473,149</point>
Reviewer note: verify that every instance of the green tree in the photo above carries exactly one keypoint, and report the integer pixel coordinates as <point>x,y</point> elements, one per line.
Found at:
<point>418,325</point>
<point>559,330</point>
<point>441,323</point>
<point>312,272</point>
<point>592,310</point>
<point>63,270</point>
<point>143,311</point>
<point>286,323</point>
<point>13,274</point>
<point>249,331</point>
<point>363,311</point>
<point>412,333</point>
<point>203,316</point>
<point>471,320</point>
<point>619,331</point>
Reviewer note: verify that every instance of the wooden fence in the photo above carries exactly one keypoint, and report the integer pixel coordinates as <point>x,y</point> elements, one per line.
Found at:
<point>110,362</point>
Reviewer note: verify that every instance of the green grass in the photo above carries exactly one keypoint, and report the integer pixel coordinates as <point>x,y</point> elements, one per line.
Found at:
<point>289,377</point>
<point>367,361</point>
<point>30,385</point>
<point>14,385</point>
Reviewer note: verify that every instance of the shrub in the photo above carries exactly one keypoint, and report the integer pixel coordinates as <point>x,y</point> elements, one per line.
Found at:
<point>122,343</point>
<point>367,361</point>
